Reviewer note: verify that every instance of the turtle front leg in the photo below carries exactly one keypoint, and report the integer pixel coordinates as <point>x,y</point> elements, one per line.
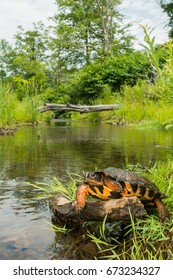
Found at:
<point>163,213</point>
<point>81,194</point>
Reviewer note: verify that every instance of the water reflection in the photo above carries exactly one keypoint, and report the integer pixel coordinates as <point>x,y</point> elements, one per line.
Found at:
<point>36,153</point>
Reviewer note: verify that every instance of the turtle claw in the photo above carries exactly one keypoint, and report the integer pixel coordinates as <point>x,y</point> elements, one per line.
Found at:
<point>78,208</point>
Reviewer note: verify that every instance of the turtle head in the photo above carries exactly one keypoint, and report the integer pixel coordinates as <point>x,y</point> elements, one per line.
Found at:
<point>93,178</point>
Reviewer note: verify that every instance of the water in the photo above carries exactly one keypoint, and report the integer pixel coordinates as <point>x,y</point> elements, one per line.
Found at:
<point>36,153</point>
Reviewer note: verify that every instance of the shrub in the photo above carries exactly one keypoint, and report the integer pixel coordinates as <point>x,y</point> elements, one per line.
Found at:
<point>90,81</point>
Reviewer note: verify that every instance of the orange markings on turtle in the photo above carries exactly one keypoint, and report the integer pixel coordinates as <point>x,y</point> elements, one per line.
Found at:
<point>115,183</point>
<point>81,195</point>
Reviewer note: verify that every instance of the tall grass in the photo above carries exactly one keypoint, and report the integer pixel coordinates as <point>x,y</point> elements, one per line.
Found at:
<point>14,111</point>
<point>139,108</point>
<point>8,103</point>
<point>140,105</point>
<point>135,109</point>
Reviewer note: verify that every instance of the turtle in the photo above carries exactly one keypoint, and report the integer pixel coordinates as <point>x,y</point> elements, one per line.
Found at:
<point>114,183</point>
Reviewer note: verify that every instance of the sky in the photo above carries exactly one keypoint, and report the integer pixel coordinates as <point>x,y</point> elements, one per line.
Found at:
<point>24,12</point>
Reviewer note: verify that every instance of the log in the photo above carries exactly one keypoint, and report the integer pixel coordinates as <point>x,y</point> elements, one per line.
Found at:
<point>77,108</point>
<point>115,209</point>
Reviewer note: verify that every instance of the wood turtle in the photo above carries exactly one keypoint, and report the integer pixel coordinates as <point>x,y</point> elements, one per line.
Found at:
<point>113,183</point>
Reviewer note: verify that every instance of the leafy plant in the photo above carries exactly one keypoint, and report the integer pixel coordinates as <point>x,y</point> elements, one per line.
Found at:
<point>92,81</point>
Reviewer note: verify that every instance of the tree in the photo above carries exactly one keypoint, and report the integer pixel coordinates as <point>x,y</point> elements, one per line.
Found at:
<point>27,62</point>
<point>86,29</point>
<point>32,42</point>
<point>167,6</point>
<point>5,54</point>
<point>113,72</point>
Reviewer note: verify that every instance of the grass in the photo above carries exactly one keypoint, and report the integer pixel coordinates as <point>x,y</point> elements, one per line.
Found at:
<point>141,105</point>
<point>7,107</point>
<point>54,187</point>
<point>146,239</point>
<point>14,112</point>
<point>138,107</point>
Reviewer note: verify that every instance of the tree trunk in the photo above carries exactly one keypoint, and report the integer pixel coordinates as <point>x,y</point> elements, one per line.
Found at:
<point>115,209</point>
<point>77,108</point>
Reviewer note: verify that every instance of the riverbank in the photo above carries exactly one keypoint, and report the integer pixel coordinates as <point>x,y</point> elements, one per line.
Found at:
<point>151,115</point>
<point>136,109</point>
<point>15,113</point>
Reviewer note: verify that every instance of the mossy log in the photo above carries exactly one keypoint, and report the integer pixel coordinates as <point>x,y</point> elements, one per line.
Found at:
<point>115,209</point>
<point>77,108</point>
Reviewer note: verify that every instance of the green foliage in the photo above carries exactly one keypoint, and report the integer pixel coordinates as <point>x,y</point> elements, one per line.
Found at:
<point>148,240</point>
<point>8,104</point>
<point>144,240</point>
<point>27,110</point>
<point>25,64</point>
<point>19,86</point>
<point>150,48</point>
<point>46,62</point>
<point>167,6</point>
<point>139,106</point>
<point>5,52</point>
<point>32,81</point>
<point>13,111</point>
<point>87,29</point>
<point>62,230</point>
<point>89,83</point>
<point>53,186</point>
<point>163,75</point>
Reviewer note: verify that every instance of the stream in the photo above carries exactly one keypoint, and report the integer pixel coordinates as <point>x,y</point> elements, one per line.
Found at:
<point>35,154</point>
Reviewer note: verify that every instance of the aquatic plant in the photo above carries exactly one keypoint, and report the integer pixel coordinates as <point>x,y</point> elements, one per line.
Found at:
<point>53,186</point>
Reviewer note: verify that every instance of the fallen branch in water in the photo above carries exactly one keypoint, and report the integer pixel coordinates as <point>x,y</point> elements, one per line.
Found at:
<point>115,209</point>
<point>77,108</point>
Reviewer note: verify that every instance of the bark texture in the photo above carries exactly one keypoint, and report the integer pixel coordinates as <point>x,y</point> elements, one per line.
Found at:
<point>115,209</point>
<point>77,108</point>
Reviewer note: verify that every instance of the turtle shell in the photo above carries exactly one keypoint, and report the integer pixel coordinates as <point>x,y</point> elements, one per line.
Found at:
<point>133,183</point>
<point>125,182</point>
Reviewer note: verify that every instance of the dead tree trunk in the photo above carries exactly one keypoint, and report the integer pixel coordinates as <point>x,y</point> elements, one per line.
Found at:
<point>77,108</point>
<point>115,209</point>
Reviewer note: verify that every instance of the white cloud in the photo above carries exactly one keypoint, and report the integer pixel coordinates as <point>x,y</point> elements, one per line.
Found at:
<point>24,12</point>
<point>142,12</point>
